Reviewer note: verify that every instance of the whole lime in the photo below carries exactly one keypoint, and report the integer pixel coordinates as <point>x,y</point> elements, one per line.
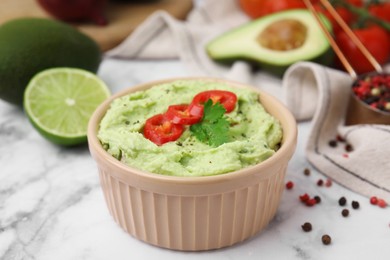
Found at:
<point>30,45</point>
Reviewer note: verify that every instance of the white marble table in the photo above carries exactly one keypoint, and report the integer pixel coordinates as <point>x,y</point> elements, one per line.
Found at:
<point>51,205</point>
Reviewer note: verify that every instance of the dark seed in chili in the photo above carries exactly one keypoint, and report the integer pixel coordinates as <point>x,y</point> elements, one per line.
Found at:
<point>342,201</point>
<point>332,143</point>
<point>307,227</point>
<point>345,212</point>
<point>355,204</point>
<point>326,239</point>
<point>318,199</point>
<point>306,172</point>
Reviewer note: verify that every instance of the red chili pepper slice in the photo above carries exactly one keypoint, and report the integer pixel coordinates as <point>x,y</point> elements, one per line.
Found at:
<point>179,114</point>
<point>160,130</point>
<point>226,98</point>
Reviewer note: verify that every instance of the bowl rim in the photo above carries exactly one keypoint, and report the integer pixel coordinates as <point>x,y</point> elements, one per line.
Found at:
<point>287,148</point>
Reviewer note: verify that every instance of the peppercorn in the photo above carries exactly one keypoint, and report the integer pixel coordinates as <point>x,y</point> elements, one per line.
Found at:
<point>382,203</point>
<point>305,197</point>
<point>332,143</point>
<point>345,212</point>
<point>328,182</point>
<point>348,148</point>
<point>307,227</point>
<point>289,185</point>
<point>320,182</point>
<point>339,138</point>
<point>342,201</point>
<point>318,199</point>
<point>306,172</point>
<point>355,204</point>
<point>374,200</point>
<point>326,239</point>
<point>311,202</point>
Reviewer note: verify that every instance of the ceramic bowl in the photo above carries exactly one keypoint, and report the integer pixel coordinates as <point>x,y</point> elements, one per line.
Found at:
<point>194,213</point>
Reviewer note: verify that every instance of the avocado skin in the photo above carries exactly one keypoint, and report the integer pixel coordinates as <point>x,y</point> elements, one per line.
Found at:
<point>326,59</point>
<point>30,45</point>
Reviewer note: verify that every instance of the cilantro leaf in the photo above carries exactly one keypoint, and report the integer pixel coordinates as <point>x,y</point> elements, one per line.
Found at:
<point>213,129</point>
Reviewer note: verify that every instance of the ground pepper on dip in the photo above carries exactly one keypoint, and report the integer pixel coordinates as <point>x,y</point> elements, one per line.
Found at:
<point>253,136</point>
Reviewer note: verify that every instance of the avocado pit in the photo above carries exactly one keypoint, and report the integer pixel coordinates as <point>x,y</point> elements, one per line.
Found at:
<point>283,35</point>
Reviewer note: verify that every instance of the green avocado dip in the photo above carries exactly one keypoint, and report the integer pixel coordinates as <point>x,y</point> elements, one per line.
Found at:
<point>253,134</point>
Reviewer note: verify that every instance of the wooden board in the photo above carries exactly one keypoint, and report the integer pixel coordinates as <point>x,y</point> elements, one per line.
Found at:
<point>123,17</point>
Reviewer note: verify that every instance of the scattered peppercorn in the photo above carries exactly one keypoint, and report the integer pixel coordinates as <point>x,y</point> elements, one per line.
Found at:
<point>332,143</point>
<point>382,203</point>
<point>328,182</point>
<point>374,200</point>
<point>326,239</point>
<point>307,227</point>
<point>306,172</point>
<point>340,138</point>
<point>355,204</point>
<point>289,185</point>
<point>305,197</point>
<point>345,212</point>
<point>311,202</point>
<point>348,148</point>
<point>318,199</point>
<point>342,201</point>
<point>320,182</point>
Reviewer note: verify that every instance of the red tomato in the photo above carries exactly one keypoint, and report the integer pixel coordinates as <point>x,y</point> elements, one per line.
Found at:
<point>259,8</point>
<point>374,38</point>
<point>381,11</point>
<point>226,98</point>
<point>160,130</point>
<point>179,114</point>
<point>346,15</point>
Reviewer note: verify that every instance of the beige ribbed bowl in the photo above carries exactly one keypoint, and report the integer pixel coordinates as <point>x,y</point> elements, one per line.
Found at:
<point>194,213</point>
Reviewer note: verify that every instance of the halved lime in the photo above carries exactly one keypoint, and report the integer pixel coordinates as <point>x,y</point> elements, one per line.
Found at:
<point>60,101</point>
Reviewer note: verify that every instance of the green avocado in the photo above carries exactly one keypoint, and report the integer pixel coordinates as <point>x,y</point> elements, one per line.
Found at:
<point>275,41</point>
<point>30,45</point>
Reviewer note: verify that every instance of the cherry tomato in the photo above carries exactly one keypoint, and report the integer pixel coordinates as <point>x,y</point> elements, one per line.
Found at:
<point>259,8</point>
<point>160,130</point>
<point>226,98</point>
<point>346,15</point>
<point>381,11</point>
<point>179,114</point>
<point>374,38</point>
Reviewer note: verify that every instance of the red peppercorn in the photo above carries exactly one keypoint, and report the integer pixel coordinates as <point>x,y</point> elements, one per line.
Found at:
<point>320,182</point>
<point>328,182</point>
<point>311,202</point>
<point>305,197</point>
<point>289,185</point>
<point>382,203</point>
<point>374,200</point>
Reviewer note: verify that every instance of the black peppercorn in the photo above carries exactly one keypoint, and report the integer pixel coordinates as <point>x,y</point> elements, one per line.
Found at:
<point>306,227</point>
<point>345,212</point>
<point>318,199</point>
<point>355,205</point>
<point>342,201</point>
<point>306,172</point>
<point>348,148</point>
<point>326,239</point>
<point>332,143</point>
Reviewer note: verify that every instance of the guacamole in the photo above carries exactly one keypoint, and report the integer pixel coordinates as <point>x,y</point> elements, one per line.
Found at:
<point>253,134</point>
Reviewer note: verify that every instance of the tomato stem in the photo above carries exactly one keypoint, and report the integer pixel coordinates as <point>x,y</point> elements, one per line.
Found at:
<point>363,14</point>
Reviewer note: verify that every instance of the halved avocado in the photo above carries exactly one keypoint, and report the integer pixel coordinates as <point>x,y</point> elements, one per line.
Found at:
<point>275,41</point>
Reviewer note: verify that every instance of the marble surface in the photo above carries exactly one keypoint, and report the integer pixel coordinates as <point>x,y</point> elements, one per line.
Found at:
<point>52,207</point>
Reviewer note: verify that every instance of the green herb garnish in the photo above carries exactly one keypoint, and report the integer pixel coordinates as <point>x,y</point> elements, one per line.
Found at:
<point>213,129</point>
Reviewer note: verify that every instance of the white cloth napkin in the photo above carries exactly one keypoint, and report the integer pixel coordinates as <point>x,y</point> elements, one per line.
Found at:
<point>321,94</point>
<point>312,92</point>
